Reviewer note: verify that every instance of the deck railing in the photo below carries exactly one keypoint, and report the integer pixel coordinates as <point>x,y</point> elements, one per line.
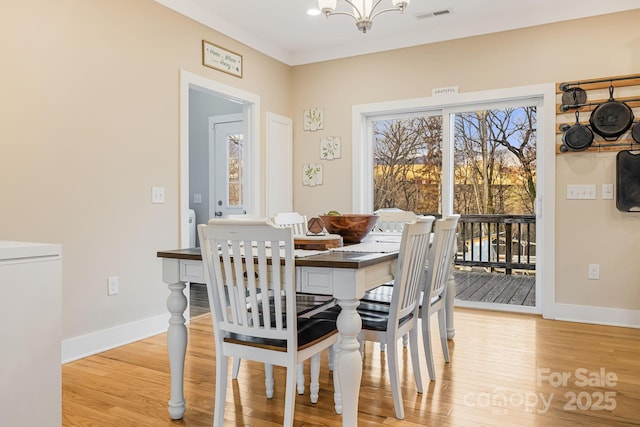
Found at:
<point>497,242</point>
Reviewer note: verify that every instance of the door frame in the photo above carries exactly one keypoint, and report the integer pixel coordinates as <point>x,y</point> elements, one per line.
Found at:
<point>362,189</point>
<point>251,113</point>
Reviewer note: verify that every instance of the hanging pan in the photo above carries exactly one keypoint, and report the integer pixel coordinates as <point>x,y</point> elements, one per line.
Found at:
<point>574,96</point>
<point>635,132</point>
<point>576,137</point>
<point>612,118</point>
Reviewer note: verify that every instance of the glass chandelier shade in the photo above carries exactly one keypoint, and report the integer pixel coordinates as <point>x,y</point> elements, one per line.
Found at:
<point>363,10</point>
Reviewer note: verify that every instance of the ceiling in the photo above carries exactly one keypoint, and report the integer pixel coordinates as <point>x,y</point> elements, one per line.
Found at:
<point>283,30</point>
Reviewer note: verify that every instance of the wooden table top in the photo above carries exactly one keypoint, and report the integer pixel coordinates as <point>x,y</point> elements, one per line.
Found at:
<point>330,259</point>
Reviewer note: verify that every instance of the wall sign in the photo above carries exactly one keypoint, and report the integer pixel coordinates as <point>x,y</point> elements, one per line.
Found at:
<point>221,59</point>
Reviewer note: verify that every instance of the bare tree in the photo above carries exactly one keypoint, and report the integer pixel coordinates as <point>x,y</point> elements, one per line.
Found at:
<point>516,130</point>
<point>407,156</point>
<point>476,150</point>
<point>495,162</point>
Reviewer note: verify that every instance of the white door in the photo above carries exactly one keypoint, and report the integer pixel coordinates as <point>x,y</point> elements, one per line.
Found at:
<point>227,162</point>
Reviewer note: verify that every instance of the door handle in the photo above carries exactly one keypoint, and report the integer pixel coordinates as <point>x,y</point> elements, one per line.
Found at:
<point>218,213</point>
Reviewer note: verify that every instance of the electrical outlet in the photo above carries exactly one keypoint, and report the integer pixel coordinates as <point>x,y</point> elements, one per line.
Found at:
<point>594,271</point>
<point>113,287</point>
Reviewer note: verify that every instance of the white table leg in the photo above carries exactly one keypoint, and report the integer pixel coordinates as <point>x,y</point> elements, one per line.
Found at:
<point>349,360</point>
<point>177,347</point>
<point>176,335</point>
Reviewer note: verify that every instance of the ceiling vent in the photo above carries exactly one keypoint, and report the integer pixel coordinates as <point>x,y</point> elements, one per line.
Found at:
<point>434,13</point>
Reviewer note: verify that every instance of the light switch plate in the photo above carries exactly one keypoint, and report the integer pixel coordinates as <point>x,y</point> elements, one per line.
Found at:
<point>113,285</point>
<point>607,191</point>
<point>581,192</point>
<point>157,194</point>
<point>197,198</point>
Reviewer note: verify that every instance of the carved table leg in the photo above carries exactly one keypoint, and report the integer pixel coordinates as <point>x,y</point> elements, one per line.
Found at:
<point>177,347</point>
<point>349,363</point>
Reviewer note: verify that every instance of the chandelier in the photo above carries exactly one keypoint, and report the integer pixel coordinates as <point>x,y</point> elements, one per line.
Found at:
<point>363,10</point>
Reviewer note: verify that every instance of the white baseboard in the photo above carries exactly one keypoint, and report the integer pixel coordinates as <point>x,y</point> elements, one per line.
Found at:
<point>569,313</point>
<point>511,308</point>
<point>106,339</point>
<point>597,315</point>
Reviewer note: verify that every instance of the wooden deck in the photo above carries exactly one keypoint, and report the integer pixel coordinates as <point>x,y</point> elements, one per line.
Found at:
<point>496,288</point>
<point>470,286</point>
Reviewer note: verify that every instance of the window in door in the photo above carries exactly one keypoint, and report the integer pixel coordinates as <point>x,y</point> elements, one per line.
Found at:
<point>407,162</point>
<point>234,170</point>
<point>489,178</point>
<point>227,173</point>
<point>495,160</point>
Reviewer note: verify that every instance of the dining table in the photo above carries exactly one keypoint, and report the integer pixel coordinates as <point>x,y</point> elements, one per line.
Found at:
<point>346,273</point>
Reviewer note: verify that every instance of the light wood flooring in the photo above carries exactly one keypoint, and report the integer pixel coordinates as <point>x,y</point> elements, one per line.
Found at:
<point>506,370</point>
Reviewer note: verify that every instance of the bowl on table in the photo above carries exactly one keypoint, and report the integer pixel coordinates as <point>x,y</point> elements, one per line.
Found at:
<point>352,227</point>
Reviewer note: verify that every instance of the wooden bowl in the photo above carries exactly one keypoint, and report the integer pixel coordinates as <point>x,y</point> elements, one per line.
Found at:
<point>352,227</point>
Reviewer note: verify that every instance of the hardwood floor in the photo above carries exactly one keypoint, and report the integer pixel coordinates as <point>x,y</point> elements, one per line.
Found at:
<point>506,370</point>
<point>198,300</point>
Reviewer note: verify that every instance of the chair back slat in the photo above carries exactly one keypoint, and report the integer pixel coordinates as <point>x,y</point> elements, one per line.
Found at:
<point>408,281</point>
<point>293,220</point>
<point>249,266</point>
<point>441,256</point>
<point>393,220</point>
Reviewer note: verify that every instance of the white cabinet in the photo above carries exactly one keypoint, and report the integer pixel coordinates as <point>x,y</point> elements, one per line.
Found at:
<point>30,355</point>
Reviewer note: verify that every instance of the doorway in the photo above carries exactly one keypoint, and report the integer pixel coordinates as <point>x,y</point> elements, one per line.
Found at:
<point>544,98</point>
<point>214,99</point>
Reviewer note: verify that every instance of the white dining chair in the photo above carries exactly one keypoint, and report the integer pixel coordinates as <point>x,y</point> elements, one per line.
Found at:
<point>293,220</point>
<point>392,220</point>
<point>436,281</point>
<point>298,223</point>
<point>387,323</point>
<point>253,306</point>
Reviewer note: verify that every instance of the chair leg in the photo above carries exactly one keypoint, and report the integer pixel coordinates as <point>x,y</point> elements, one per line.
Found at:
<point>314,387</point>
<point>330,357</point>
<point>236,368</point>
<point>268,379</point>
<point>300,377</point>
<point>382,346</point>
<point>337,392</point>
<point>221,390</point>
<point>394,377</point>
<point>415,358</point>
<point>290,398</point>
<point>426,341</point>
<point>405,340</point>
<point>442,325</point>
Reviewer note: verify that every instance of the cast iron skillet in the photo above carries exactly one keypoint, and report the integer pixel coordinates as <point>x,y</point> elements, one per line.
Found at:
<point>576,137</point>
<point>611,119</point>
<point>635,132</point>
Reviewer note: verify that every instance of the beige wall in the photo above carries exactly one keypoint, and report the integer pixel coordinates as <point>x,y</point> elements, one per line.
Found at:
<point>586,231</point>
<point>89,123</point>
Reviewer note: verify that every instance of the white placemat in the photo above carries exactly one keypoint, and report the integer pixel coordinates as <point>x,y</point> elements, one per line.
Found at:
<point>297,253</point>
<point>371,247</point>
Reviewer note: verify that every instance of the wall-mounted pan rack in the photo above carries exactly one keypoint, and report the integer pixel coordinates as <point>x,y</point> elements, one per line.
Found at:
<point>566,85</point>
